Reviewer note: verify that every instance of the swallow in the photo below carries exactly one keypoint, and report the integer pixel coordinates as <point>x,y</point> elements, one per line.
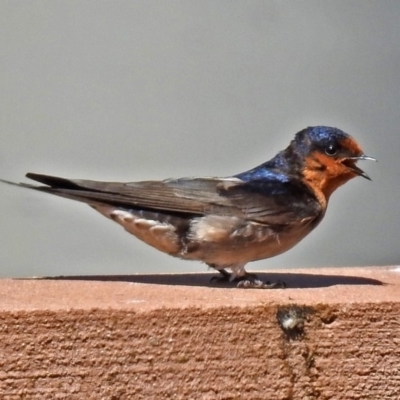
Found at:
<point>228,222</point>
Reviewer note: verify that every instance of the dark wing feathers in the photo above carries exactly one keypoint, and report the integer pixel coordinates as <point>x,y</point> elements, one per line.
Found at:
<point>189,196</point>
<point>275,202</point>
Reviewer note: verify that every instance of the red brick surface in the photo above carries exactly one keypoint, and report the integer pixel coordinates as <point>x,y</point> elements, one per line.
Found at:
<point>333,334</point>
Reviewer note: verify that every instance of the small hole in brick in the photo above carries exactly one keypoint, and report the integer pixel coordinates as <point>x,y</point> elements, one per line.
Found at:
<point>328,319</point>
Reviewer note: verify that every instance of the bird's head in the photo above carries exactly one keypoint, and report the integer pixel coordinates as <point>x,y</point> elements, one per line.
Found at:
<point>328,157</point>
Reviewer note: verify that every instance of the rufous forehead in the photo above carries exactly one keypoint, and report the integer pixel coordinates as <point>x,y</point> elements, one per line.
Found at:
<point>350,144</point>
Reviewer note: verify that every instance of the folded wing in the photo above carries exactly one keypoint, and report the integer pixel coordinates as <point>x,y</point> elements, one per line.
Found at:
<point>263,201</point>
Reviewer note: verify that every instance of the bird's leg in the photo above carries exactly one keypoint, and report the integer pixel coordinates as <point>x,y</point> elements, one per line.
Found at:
<point>238,273</point>
<point>224,277</point>
<point>243,278</point>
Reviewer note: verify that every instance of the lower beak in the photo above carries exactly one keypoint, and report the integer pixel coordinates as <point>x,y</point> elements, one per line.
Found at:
<point>353,167</point>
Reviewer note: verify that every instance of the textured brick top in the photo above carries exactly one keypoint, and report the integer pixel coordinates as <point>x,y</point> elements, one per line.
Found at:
<point>145,292</point>
<point>333,334</point>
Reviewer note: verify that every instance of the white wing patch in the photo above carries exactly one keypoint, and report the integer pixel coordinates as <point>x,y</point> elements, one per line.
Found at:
<point>160,235</point>
<point>121,215</point>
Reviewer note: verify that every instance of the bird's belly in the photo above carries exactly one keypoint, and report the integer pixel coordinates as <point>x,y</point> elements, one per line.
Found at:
<point>213,239</point>
<point>231,240</point>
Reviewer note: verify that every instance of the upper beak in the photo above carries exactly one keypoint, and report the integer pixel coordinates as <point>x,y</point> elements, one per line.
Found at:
<point>356,169</point>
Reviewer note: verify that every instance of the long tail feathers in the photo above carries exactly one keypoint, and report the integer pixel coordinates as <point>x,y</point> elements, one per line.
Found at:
<point>52,181</point>
<point>60,187</point>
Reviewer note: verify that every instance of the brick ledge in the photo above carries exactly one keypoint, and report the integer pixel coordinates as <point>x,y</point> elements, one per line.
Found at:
<point>335,336</point>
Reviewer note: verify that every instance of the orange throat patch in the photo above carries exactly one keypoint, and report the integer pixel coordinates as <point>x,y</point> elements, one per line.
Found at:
<point>324,175</point>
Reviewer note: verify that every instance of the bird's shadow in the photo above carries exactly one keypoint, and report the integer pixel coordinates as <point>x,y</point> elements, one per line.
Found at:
<point>292,280</point>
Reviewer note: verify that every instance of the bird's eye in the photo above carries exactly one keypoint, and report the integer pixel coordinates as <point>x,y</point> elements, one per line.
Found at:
<point>331,150</point>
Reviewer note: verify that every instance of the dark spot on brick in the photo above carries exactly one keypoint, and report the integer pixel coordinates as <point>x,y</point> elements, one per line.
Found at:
<point>292,320</point>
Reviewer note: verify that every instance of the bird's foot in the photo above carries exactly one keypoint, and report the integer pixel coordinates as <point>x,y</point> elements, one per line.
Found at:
<point>248,281</point>
<point>255,283</point>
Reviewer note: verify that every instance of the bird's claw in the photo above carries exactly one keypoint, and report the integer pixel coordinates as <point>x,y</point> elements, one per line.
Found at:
<point>248,281</point>
<point>259,284</point>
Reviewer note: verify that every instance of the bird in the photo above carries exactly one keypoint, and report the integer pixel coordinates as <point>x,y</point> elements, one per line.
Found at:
<point>227,222</point>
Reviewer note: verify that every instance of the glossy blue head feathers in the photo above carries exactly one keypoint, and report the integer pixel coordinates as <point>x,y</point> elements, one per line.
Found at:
<point>322,134</point>
<point>315,137</point>
<point>328,141</point>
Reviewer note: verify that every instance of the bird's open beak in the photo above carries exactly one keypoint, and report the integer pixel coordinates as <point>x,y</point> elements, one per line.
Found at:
<point>350,163</point>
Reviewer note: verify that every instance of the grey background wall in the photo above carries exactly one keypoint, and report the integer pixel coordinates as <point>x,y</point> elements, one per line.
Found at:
<point>135,90</point>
